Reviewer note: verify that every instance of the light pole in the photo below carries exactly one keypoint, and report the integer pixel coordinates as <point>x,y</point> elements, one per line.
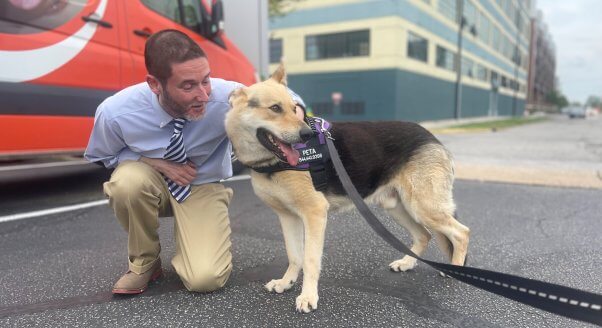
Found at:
<point>462,22</point>
<point>517,59</point>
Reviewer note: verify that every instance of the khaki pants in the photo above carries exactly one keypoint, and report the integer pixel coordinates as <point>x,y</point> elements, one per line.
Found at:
<point>139,196</point>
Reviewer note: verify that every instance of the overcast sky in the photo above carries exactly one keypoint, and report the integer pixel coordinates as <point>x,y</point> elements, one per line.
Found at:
<point>576,28</point>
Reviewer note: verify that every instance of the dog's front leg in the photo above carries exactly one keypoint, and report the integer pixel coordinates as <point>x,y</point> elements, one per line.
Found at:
<point>292,229</point>
<point>315,226</point>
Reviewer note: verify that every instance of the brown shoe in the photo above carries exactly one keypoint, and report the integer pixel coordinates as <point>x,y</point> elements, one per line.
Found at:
<point>133,283</point>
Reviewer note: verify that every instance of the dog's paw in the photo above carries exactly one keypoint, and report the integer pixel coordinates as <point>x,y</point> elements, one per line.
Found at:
<point>279,285</point>
<point>307,302</point>
<point>405,264</point>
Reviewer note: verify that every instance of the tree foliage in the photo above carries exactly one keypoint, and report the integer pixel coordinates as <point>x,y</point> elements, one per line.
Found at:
<point>280,7</point>
<point>555,97</point>
<point>594,101</point>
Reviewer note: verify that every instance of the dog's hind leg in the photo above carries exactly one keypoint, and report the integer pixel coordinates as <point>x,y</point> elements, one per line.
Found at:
<point>457,233</point>
<point>292,229</point>
<point>445,245</point>
<point>433,207</point>
<point>420,237</point>
<point>425,188</point>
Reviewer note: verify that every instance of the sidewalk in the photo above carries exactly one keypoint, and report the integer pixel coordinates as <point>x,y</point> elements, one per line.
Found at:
<point>558,152</point>
<point>515,173</point>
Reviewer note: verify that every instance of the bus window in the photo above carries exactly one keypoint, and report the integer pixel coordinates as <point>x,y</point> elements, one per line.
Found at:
<point>191,10</point>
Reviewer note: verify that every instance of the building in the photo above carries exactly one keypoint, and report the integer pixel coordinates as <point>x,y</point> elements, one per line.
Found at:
<point>246,24</point>
<point>542,68</point>
<point>397,59</point>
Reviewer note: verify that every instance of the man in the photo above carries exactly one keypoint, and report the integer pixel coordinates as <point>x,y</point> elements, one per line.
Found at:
<point>167,140</point>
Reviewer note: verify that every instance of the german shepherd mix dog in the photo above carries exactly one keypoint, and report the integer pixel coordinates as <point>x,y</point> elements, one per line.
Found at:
<point>398,166</point>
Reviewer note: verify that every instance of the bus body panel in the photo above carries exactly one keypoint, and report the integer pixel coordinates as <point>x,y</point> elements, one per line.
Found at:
<point>56,68</point>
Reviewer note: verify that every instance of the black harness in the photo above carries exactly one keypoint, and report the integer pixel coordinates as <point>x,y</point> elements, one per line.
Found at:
<point>314,156</point>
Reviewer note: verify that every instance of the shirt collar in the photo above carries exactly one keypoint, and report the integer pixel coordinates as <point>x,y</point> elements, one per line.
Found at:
<point>163,117</point>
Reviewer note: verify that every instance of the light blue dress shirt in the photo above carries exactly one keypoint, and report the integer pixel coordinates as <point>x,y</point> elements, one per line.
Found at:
<point>132,123</point>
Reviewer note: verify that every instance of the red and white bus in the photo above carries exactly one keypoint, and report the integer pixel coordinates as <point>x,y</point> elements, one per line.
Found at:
<point>60,58</point>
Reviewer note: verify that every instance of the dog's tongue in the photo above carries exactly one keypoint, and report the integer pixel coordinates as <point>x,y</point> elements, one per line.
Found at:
<point>292,155</point>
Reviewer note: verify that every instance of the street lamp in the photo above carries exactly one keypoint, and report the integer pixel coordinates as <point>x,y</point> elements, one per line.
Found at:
<point>462,22</point>
<point>516,59</point>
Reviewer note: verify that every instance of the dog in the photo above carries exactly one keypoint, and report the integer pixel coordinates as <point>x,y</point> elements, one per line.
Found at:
<point>399,166</point>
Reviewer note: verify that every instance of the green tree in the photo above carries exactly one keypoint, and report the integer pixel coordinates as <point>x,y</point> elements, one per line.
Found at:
<point>555,97</point>
<point>280,7</point>
<point>594,101</point>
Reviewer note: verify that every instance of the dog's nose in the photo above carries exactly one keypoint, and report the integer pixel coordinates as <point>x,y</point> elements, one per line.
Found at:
<point>306,133</point>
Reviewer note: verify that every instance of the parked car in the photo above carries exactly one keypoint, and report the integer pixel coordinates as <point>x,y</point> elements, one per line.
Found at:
<point>576,112</point>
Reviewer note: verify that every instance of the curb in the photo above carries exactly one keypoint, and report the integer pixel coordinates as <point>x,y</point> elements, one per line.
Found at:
<point>591,179</point>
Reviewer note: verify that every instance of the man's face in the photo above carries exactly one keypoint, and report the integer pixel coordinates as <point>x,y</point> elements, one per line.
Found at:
<point>186,92</point>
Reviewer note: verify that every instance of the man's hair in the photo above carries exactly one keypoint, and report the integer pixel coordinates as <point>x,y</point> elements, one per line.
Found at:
<point>169,47</point>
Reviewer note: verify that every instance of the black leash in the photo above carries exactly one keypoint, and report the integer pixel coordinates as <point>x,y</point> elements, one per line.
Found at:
<point>569,302</point>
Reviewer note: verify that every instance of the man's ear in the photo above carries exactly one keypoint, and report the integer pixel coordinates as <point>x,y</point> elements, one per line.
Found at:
<point>280,74</point>
<point>154,84</point>
<point>238,97</point>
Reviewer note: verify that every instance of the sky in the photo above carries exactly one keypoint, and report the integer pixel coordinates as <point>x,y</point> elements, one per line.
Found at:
<point>576,28</point>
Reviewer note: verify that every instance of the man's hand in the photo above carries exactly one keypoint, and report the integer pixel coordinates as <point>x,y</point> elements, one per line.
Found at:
<point>181,174</point>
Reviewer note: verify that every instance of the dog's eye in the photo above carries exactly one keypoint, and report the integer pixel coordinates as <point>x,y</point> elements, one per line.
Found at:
<point>276,108</point>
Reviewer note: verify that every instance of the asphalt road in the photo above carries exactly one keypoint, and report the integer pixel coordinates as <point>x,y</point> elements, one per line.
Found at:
<point>558,152</point>
<point>57,270</point>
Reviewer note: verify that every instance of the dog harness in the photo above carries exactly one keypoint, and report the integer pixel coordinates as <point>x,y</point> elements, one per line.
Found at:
<point>313,155</point>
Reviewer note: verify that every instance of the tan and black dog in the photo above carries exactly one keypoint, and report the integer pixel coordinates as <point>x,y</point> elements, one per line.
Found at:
<point>399,166</point>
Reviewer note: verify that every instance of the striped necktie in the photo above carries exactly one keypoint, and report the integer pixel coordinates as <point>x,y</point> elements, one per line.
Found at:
<point>176,152</point>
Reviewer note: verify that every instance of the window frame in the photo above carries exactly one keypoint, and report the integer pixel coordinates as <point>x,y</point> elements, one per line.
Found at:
<point>324,46</point>
<point>421,39</point>
<point>271,59</point>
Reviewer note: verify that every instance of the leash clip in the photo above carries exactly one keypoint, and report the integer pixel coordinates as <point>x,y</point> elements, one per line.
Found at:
<point>323,129</point>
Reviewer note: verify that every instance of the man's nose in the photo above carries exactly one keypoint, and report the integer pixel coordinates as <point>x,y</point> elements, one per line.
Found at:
<point>202,94</point>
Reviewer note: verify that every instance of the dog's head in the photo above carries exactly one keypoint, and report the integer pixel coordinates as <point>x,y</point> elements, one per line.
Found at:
<point>262,123</point>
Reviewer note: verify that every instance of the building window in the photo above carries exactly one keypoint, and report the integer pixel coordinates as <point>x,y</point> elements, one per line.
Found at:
<point>481,72</point>
<point>470,13</point>
<point>275,50</point>
<point>495,78</point>
<point>446,59</point>
<point>337,45</point>
<point>322,108</point>
<point>467,67</point>
<point>484,28</point>
<point>495,38</point>
<point>417,47</point>
<point>508,48</point>
<point>448,9</point>
<point>352,108</point>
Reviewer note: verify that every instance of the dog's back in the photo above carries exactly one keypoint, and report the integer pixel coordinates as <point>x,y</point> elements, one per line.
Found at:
<point>374,152</point>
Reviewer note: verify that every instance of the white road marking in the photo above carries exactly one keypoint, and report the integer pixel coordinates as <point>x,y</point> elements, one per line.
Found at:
<point>238,178</point>
<point>49,211</point>
<point>75,207</point>
<point>43,165</point>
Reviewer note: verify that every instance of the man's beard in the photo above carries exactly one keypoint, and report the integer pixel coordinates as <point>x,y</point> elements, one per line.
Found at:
<point>177,108</point>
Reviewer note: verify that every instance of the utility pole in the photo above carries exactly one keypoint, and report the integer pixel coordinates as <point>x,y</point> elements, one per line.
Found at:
<point>516,59</point>
<point>458,95</point>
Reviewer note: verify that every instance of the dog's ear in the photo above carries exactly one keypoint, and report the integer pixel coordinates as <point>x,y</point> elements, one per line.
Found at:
<point>237,96</point>
<point>280,74</point>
